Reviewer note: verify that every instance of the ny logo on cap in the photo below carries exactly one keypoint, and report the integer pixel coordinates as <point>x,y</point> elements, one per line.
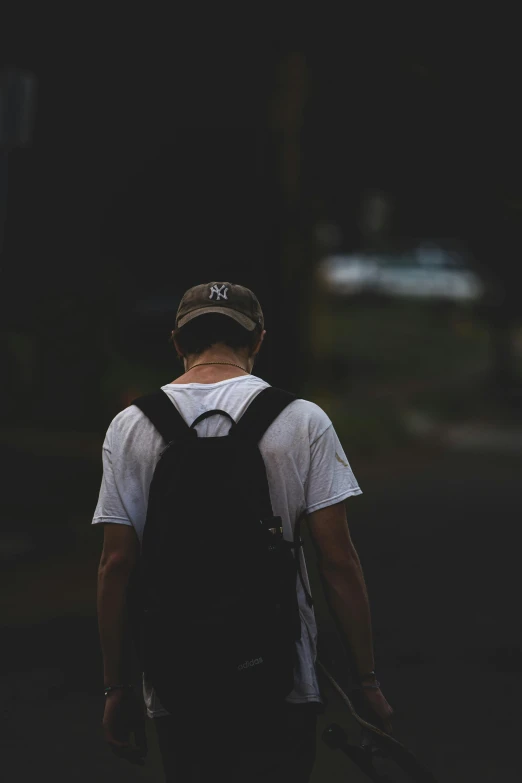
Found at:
<point>220,294</point>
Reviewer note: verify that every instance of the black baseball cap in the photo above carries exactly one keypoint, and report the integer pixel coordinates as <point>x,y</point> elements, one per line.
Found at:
<point>236,301</point>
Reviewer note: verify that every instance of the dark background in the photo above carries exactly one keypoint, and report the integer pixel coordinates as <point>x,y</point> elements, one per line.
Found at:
<point>168,151</point>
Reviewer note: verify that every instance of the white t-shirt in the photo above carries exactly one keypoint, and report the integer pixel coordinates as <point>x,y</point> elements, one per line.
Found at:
<point>306,468</point>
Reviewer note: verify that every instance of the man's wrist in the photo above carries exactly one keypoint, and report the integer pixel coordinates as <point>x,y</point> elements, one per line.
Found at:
<point>369,681</point>
<point>108,689</point>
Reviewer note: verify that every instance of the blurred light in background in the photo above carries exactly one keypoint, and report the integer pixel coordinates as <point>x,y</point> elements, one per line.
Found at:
<point>428,271</point>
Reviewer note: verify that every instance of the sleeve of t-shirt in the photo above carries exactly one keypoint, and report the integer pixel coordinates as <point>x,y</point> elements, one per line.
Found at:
<point>110,507</point>
<point>330,478</point>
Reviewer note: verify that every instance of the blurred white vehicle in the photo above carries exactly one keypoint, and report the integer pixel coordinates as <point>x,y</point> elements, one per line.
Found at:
<point>428,271</point>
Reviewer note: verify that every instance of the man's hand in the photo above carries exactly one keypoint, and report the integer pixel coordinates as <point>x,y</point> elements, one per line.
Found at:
<point>124,715</point>
<point>375,709</point>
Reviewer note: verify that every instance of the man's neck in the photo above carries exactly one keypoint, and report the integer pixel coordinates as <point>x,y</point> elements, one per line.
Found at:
<point>213,366</point>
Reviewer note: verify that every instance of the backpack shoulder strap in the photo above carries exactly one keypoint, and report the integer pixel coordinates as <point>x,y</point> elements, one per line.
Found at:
<point>253,424</point>
<point>261,412</point>
<point>169,422</point>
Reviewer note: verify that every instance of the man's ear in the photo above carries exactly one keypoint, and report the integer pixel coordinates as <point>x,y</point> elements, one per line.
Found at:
<point>259,343</point>
<point>176,346</point>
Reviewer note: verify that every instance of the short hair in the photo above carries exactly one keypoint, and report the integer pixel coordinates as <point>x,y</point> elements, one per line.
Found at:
<point>206,330</point>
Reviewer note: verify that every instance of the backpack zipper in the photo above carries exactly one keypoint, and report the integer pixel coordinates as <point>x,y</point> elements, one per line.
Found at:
<point>162,452</point>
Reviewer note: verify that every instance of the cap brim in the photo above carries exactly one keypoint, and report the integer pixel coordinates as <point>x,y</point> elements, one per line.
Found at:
<point>246,322</point>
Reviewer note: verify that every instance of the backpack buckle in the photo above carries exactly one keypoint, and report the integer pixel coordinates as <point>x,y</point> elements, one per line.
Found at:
<point>273,525</point>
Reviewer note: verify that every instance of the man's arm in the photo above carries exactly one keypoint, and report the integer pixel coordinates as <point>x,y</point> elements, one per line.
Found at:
<point>123,714</point>
<point>119,556</point>
<point>343,582</point>
<point>346,595</point>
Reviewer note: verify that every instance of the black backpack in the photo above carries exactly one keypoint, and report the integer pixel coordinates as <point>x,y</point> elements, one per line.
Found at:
<point>219,610</point>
